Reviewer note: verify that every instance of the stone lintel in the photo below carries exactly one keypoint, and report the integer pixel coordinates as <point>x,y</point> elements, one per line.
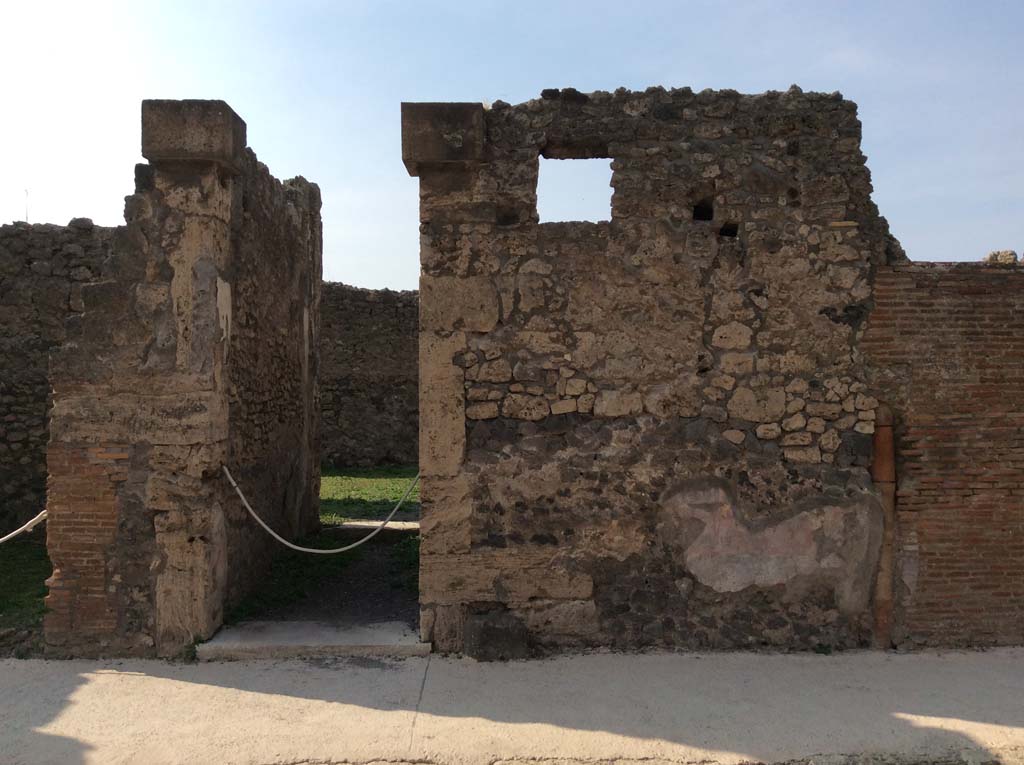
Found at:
<point>192,131</point>
<point>441,134</point>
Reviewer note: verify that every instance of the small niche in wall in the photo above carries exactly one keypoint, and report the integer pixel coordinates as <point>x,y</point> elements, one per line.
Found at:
<point>574,190</point>
<point>704,210</point>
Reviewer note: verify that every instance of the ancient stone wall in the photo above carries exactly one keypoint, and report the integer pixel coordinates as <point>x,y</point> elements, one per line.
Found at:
<point>945,343</point>
<point>42,268</point>
<point>178,363</point>
<point>653,430</point>
<point>273,365</point>
<point>369,371</point>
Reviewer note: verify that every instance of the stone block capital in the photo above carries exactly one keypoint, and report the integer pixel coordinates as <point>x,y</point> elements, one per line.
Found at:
<point>439,134</point>
<point>192,131</point>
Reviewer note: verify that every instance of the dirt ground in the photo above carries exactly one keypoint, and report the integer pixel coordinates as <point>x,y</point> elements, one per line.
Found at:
<point>378,585</point>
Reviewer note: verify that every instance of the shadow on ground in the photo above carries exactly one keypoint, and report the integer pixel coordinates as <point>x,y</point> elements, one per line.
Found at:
<point>729,708</point>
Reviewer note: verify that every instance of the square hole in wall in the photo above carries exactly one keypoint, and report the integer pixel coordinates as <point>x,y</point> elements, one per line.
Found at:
<point>574,190</point>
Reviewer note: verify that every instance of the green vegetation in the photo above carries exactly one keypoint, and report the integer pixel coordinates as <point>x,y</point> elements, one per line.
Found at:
<point>24,568</point>
<point>367,494</point>
<point>345,494</point>
<point>405,563</point>
<point>293,576</point>
<point>350,494</point>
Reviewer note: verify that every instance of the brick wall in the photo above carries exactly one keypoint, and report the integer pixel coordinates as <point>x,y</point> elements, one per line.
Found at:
<point>369,360</point>
<point>946,344</point>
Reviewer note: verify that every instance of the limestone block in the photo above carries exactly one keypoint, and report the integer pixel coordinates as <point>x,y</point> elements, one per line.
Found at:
<point>564,406</point>
<point>830,440</point>
<point>575,386</point>
<point>446,511</point>
<point>796,422</point>
<point>824,410</point>
<point>442,404</point>
<point>809,454</point>
<point>572,619</point>
<point>523,406</point>
<point>441,133</point>
<point>735,436</point>
<point>183,418</point>
<point>514,577</point>
<point>191,131</point>
<point>496,371</point>
<point>483,410</point>
<point>737,363</point>
<point>732,336</point>
<point>766,406</point>
<point>616,403</point>
<point>451,303</point>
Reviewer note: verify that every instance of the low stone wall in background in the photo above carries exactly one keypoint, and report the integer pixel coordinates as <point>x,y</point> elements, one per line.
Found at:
<point>42,269</point>
<point>368,376</point>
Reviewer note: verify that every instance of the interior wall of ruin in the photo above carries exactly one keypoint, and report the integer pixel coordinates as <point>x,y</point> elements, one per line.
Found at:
<point>42,269</point>
<point>176,365</point>
<point>273,365</point>
<point>369,376</point>
<point>653,430</point>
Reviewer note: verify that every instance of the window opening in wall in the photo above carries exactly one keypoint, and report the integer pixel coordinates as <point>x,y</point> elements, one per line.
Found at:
<point>704,210</point>
<point>574,190</point>
<point>729,229</point>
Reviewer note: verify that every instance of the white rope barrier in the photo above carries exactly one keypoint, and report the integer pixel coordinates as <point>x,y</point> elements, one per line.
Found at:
<point>27,527</point>
<point>313,550</point>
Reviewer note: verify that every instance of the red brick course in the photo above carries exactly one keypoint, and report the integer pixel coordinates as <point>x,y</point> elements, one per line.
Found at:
<point>946,344</point>
<point>82,516</point>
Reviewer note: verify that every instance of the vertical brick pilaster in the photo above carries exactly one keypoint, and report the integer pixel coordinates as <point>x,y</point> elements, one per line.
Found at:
<point>83,515</point>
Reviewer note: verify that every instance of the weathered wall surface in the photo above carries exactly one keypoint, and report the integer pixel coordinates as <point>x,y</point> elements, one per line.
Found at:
<point>155,390</point>
<point>946,345</point>
<point>42,268</point>
<point>273,365</point>
<point>653,430</point>
<point>369,373</point>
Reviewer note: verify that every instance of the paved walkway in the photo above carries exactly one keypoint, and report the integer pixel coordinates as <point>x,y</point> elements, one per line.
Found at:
<point>680,708</point>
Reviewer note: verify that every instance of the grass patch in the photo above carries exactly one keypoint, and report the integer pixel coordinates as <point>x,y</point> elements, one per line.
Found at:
<point>366,494</point>
<point>24,568</point>
<point>345,494</point>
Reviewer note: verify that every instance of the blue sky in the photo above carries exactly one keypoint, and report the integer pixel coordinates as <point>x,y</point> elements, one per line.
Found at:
<point>939,86</point>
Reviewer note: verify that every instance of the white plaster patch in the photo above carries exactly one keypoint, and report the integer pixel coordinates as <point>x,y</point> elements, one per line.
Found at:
<point>837,544</point>
<point>224,312</point>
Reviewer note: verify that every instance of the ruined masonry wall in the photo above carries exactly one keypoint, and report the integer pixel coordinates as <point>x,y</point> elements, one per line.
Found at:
<point>155,389</point>
<point>946,344</point>
<point>273,366</point>
<point>42,268</point>
<point>369,376</point>
<point>654,430</point>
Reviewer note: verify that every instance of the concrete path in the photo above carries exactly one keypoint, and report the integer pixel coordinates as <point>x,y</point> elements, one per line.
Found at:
<point>679,708</point>
<point>304,639</point>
